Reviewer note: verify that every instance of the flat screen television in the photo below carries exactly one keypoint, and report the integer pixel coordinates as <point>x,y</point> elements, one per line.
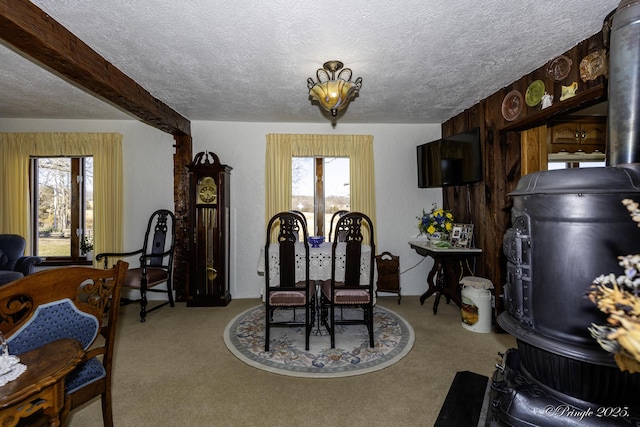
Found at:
<point>454,160</point>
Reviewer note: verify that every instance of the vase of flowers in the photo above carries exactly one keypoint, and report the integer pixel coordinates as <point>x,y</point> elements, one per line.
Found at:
<point>436,224</point>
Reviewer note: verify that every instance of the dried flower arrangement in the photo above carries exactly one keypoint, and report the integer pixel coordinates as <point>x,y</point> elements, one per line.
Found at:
<point>619,298</point>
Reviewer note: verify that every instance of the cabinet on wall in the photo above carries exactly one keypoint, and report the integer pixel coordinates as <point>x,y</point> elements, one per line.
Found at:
<point>209,218</point>
<point>585,135</point>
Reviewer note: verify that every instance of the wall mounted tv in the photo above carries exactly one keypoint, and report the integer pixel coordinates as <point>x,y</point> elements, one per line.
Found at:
<point>454,160</point>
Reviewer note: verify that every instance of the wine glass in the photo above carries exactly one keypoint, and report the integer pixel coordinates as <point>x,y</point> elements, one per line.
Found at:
<point>4,347</point>
<point>5,360</point>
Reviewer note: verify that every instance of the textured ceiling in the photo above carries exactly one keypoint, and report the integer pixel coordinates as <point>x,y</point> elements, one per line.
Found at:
<point>421,61</point>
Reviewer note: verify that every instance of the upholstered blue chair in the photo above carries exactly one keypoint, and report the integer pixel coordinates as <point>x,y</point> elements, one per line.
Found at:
<point>73,302</point>
<point>13,263</point>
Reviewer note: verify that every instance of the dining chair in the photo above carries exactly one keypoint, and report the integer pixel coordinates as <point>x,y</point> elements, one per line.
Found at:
<point>301,216</point>
<point>292,289</point>
<point>68,302</point>
<point>335,216</point>
<point>156,261</point>
<point>349,292</point>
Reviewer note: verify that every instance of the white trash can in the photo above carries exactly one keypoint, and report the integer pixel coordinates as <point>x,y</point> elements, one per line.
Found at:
<point>476,304</point>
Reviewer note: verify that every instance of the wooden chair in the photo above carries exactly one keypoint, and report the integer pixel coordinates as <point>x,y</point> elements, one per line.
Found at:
<point>288,292</point>
<point>301,215</point>
<point>349,292</point>
<point>336,215</point>
<point>304,218</point>
<point>68,302</point>
<point>156,261</point>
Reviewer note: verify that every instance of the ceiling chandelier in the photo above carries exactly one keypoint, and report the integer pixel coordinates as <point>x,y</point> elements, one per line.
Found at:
<point>333,93</point>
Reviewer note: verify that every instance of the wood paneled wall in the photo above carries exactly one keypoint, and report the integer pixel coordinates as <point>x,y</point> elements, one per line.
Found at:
<point>487,204</point>
<point>182,201</point>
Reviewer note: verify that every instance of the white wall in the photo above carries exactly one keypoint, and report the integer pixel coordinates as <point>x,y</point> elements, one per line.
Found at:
<point>399,200</point>
<point>148,183</point>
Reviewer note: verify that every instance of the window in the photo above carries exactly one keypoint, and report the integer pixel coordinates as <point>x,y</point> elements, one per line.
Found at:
<point>17,151</point>
<point>569,165</point>
<point>62,206</point>
<point>320,187</point>
<point>282,148</point>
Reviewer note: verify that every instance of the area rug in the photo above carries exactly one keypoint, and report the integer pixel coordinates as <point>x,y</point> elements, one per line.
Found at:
<point>393,338</point>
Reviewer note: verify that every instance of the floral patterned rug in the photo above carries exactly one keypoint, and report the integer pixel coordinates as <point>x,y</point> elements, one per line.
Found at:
<point>393,337</point>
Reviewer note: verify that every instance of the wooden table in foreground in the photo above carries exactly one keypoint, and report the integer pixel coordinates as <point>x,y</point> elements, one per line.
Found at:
<point>41,386</point>
<point>443,261</point>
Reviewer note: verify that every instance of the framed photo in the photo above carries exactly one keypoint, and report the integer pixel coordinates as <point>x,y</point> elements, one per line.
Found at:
<point>461,235</point>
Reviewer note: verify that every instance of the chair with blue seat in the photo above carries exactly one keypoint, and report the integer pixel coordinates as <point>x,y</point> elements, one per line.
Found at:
<point>71,302</point>
<point>13,263</point>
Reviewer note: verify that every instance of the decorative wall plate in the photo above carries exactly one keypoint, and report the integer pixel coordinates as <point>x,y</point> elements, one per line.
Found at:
<point>559,67</point>
<point>535,92</point>
<point>512,105</point>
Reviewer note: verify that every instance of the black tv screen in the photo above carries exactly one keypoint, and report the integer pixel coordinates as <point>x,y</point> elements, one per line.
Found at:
<point>454,160</point>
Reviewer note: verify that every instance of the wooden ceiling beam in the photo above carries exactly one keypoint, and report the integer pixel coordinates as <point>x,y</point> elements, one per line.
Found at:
<point>38,36</point>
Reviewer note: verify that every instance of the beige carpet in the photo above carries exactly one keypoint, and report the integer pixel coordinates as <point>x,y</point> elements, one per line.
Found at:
<point>175,370</point>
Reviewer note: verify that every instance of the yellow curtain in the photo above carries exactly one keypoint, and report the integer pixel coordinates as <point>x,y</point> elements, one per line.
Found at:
<point>282,147</point>
<point>106,149</point>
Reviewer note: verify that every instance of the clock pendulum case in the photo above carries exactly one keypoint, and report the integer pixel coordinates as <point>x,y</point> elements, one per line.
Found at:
<point>209,242</point>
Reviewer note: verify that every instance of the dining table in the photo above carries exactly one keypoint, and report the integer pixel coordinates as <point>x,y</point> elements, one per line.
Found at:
<point>41,385</point>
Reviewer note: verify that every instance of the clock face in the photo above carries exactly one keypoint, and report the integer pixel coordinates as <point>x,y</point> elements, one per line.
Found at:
<point>207,191</point>
<point>207,194</point>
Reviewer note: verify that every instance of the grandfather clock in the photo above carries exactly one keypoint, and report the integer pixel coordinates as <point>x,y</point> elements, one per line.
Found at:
<point>209,243</point>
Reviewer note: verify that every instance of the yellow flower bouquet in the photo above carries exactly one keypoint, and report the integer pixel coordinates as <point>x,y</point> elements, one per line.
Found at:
<point>437,220</point>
